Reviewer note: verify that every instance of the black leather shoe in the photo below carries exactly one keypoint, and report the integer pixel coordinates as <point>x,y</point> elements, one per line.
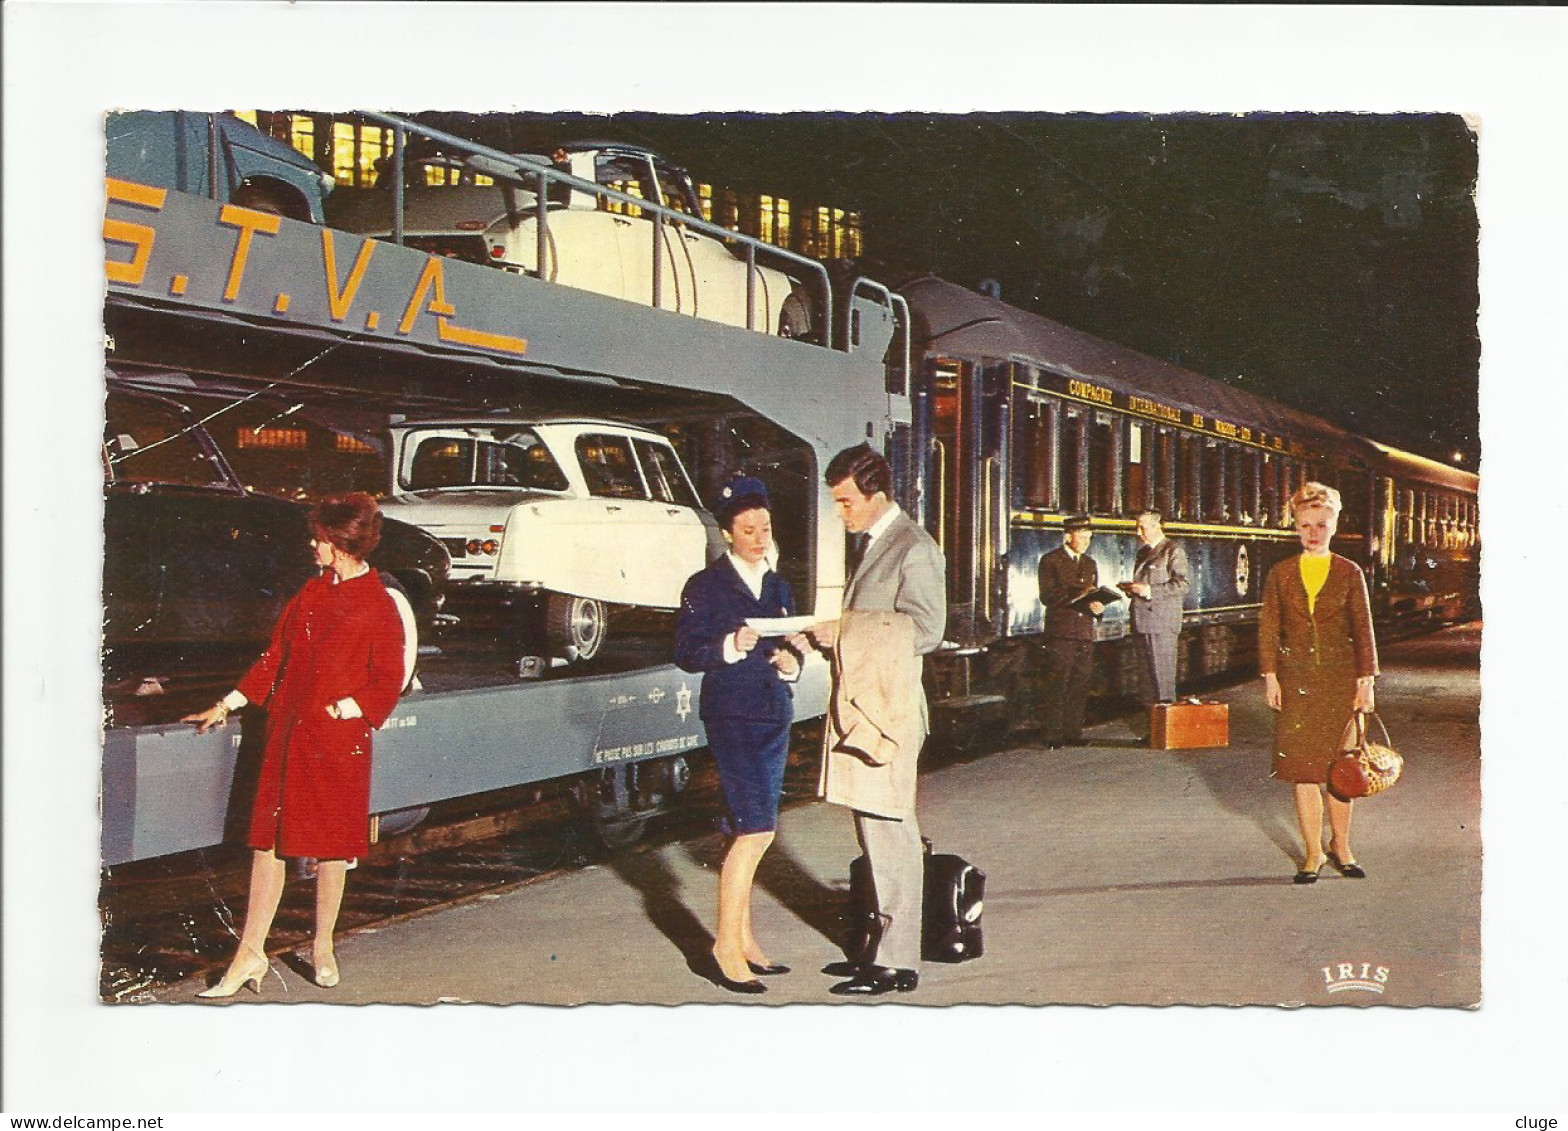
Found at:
<point>845,969</point>
<point>877,980</point>
<point>775,968</point>
<point>712,971</point>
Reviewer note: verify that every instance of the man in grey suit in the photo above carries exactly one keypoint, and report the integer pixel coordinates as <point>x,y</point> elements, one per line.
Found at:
<point>1159,584</point>
<point>894,612</point>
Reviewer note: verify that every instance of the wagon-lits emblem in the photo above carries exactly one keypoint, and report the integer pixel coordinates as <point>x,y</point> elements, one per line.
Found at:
<point>1243,571</point>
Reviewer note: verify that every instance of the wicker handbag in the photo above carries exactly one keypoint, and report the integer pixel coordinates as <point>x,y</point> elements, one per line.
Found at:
<point>1366,769</point>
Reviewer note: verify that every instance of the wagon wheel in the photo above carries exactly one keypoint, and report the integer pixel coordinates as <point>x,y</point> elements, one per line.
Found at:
<point>576,626</point>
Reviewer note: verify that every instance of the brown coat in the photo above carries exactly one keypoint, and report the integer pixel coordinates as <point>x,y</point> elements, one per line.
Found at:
<point>874,727</point>
<point>1318,657</point>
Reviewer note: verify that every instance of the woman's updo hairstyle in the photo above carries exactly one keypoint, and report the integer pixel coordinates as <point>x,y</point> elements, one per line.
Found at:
<point>351,522</point>
<point>1315,495</point>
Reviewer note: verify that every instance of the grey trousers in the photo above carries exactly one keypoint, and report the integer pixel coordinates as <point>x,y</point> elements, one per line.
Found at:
<point>897,860</point>
<point>1158,652</point>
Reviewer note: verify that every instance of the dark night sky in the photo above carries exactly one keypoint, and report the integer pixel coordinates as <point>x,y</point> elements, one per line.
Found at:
<point>1328,261</point>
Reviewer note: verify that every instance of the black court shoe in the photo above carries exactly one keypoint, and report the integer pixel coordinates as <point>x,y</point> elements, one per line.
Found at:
<point>769,970</point>
<point>1309,875</point>
<point>712,971</point>
<point>1347,868</point>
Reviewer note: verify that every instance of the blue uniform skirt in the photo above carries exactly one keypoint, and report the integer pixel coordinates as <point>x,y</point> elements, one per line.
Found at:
<point>750,757</point>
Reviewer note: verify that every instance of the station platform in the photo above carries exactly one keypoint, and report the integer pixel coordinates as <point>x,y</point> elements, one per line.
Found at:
<point>1115,874</point>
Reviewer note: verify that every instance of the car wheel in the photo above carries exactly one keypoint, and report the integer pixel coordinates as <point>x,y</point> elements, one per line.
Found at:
<point>576,626</point>
<point>795,318</point>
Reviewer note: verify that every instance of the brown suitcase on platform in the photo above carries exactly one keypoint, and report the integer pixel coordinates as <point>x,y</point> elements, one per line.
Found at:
<point>1189,725</point>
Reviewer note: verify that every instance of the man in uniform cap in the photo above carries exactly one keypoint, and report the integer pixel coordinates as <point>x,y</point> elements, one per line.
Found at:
<point>1066,575</point>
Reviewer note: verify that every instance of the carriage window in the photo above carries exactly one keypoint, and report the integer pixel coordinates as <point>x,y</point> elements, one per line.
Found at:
<point>1105,464</point>
<point>1189,475</point>
<point>1249,486</point>
<point>1138,480</point>
<point>1040,451</point>
<point>609,467</point>
<point>1075,460</point>
<point>1214,486</point>
<point>1165,467</point>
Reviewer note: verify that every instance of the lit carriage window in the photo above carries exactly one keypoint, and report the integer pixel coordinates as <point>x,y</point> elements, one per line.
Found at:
<point>1137,482</point>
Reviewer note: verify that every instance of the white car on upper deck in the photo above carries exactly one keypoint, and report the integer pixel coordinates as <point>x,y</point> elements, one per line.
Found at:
<point>484,211</point>
<point>550,523</point>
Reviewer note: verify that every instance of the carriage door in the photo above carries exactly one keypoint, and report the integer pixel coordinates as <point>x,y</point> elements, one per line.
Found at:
<point>967,404</point>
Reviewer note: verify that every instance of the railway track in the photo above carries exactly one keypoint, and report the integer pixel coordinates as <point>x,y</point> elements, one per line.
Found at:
<point>169,919</point>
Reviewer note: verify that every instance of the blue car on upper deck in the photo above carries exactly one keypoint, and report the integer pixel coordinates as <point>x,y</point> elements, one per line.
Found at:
<point>217,156</point>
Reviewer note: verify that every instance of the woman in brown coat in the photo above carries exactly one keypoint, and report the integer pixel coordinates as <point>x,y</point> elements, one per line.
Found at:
<point>1319,660</point>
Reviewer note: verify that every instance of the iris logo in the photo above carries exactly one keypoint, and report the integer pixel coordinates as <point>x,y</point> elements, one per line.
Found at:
<point>1350,976</point>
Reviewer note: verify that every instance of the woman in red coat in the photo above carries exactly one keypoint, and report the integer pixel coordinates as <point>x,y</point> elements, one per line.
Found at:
<point>1319,659</point>
<point>331,674</point>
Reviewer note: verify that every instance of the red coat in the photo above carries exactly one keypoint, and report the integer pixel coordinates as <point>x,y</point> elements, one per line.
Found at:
<point>333,641</point>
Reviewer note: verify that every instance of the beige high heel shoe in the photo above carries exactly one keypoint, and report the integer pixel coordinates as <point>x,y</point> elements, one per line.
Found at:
<point>236,976</point>
<point>327,973</point>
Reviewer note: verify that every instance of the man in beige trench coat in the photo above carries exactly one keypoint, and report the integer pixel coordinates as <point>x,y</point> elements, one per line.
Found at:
<point>894,612</point>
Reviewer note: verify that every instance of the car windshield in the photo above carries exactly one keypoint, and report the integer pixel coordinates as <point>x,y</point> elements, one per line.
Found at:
<point>496,457</point>
<point>149,442</point>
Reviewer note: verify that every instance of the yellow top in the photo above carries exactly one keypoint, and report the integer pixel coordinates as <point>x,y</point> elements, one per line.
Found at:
<point>1314,572</point>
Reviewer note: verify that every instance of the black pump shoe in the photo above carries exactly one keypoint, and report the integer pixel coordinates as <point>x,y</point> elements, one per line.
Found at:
<point>759,968</point>
<point>715,974</point>
<point>1347,868</point>
<point>877,980</point>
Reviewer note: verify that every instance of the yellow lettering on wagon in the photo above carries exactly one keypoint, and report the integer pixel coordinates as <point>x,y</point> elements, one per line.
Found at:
<point>1096,393</point>
<point>249,222</point>
<point>338,301</point>
<point>432,281</point>
<point>431,278</point>
<point>139,236</point>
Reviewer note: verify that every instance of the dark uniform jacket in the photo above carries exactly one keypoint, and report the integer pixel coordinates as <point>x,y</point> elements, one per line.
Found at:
<point>714,604</point>
<point>1062,579</point>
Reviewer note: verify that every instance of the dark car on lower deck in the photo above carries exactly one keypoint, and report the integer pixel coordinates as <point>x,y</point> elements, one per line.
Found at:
<point>197,569</point>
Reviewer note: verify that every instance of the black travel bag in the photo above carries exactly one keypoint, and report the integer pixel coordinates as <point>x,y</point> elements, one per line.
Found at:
<point>950,930</point>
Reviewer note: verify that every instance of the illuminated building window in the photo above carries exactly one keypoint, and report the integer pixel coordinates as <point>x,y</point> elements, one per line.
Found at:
<point>705,199</point>
<point>781,222</point>
<point>302,134</point>
<point>765,219</point>
<point>274,439</point>
<point>353,444</point>
<point>248,116</point>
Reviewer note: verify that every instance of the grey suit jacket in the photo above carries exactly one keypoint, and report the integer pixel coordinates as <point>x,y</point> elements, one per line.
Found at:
<point>904,571</point>
<point>1164,569</point>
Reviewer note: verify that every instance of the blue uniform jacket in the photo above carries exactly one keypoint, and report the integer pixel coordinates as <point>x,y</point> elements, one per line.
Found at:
<point>714,604</point>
